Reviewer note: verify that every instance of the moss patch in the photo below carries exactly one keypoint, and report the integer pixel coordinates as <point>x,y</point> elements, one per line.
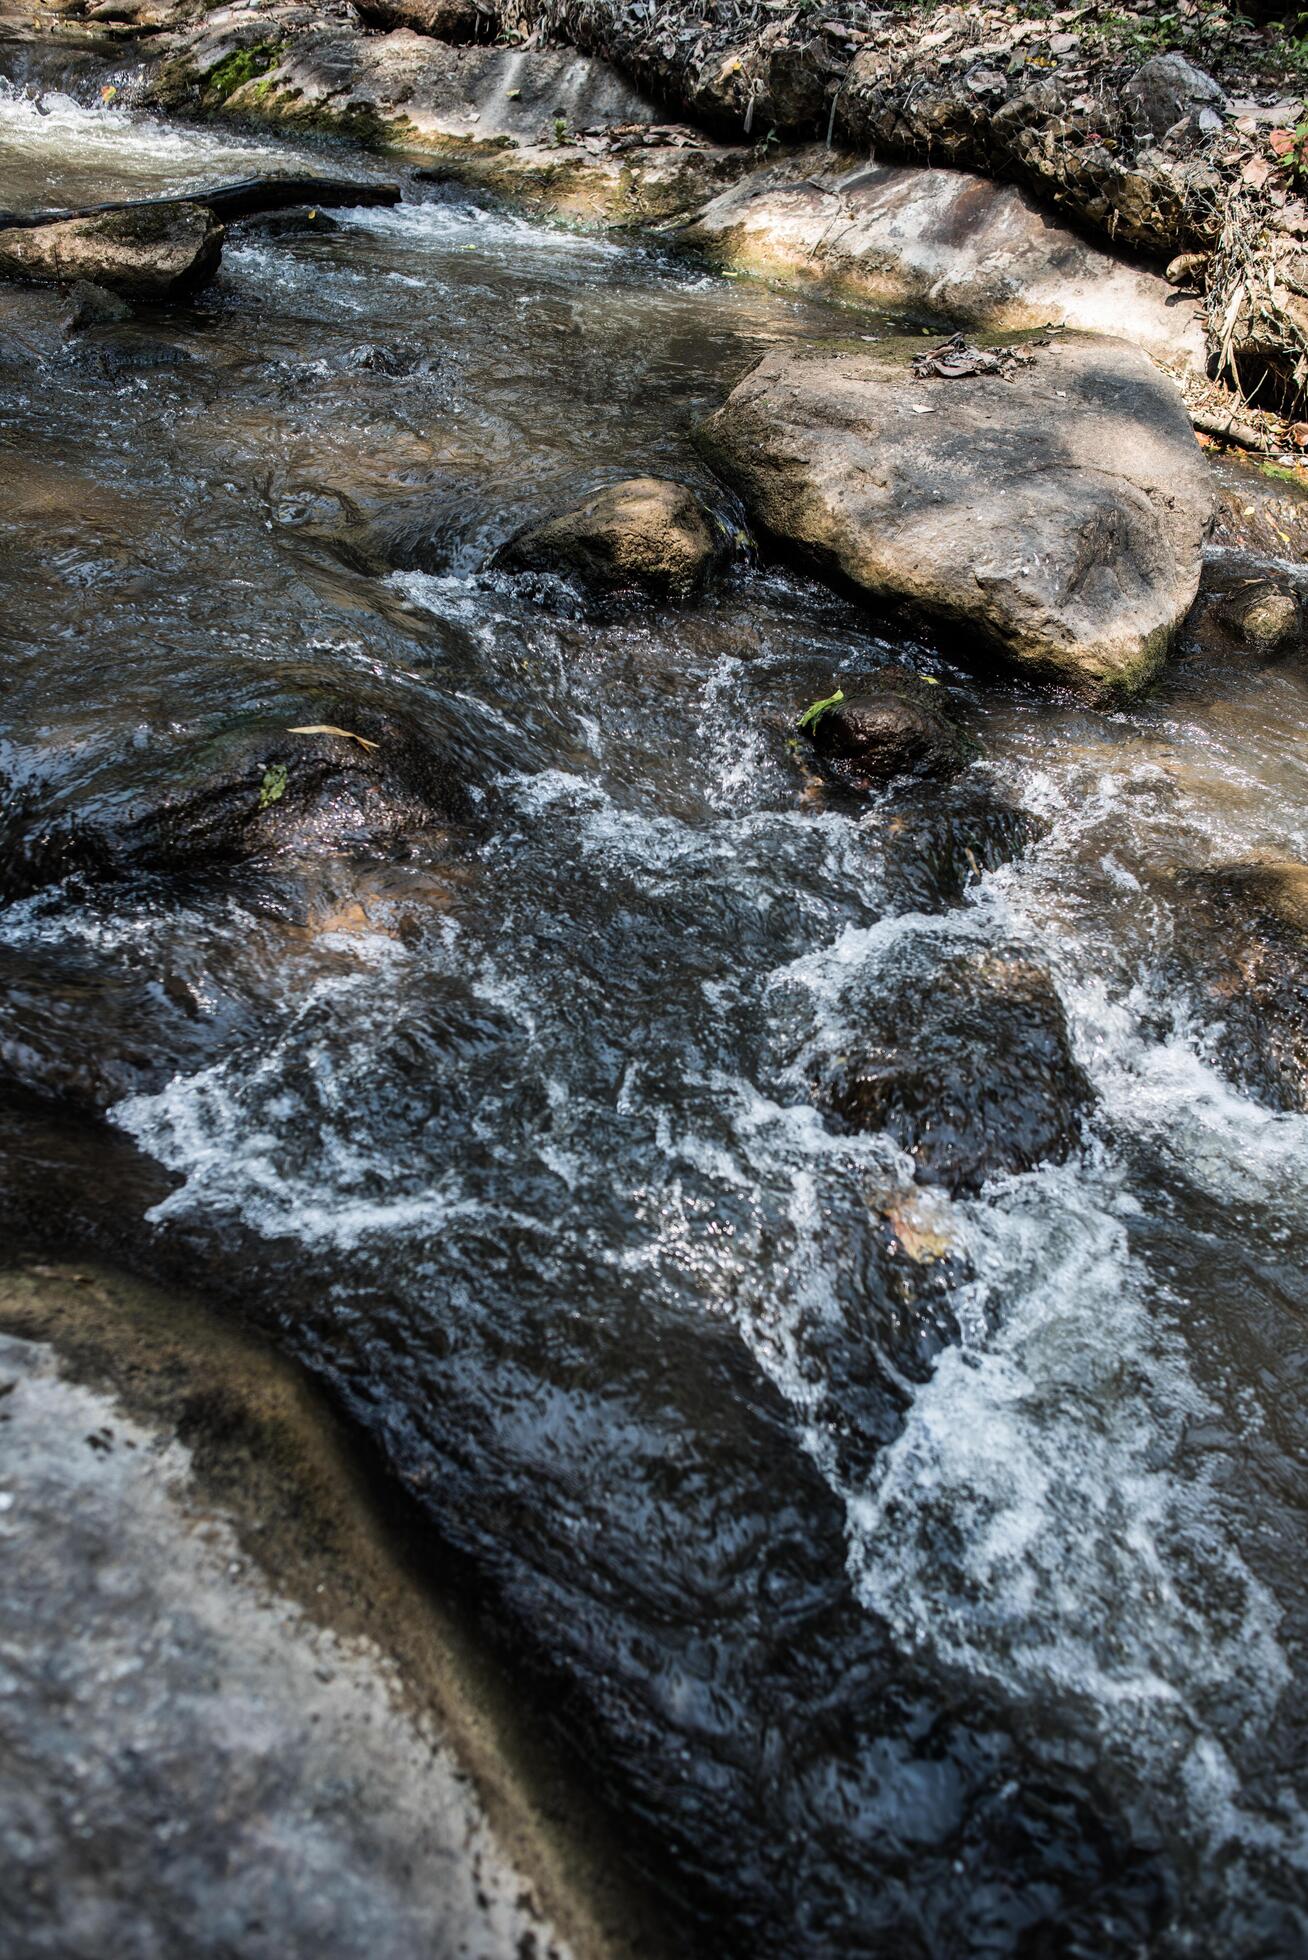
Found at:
<point>241,66</point>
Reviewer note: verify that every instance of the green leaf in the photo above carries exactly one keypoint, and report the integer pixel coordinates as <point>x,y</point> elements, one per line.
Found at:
<point>813,714</point>
<point>273,787</point>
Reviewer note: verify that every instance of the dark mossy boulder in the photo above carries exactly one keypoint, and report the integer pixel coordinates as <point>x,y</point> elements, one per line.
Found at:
<point>645,534</point>
<point>249,792</point>
<point>892,727</point>
<point>149,252</point>
<point>967,1064</point>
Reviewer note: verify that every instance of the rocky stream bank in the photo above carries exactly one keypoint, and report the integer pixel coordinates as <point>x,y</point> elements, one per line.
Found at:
<point>936,241</point>
<point>1174,140</point>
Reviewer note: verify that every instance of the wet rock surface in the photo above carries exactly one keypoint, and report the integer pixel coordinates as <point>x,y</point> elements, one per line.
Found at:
<point>1253,961</point>
<point>644,535</point>
<point>233,1718</point>
<point>970,1068</point>
<point>1054,520</point>
<point>144,254</point>
<point>894,728</point>
<point>242,794</point>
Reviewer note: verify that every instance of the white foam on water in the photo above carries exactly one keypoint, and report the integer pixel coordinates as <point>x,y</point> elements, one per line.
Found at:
<point>1038,1522</point>
<point>232,1131</point>
<point>1035,1524</point>
<point>471,228</point>
<point>47,132</point>
<point>191,1127</point>
<point>459,597</point>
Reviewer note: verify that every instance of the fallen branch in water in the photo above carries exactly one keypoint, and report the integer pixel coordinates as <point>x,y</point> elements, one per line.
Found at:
<point>249,198</point>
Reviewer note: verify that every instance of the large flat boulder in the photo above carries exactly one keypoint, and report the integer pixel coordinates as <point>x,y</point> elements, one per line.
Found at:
<point>975,252</point>
<point>1053,517</point>
<point>149,252</point>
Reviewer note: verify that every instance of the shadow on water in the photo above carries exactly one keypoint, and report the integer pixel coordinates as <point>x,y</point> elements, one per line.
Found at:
<point>912,1574</point>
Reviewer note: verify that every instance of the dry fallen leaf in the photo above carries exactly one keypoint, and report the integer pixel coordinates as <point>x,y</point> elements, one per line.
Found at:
<point>1256,172</point>
<point>1299,435</point>
<point>1281,142</point>
<point>326,728</point>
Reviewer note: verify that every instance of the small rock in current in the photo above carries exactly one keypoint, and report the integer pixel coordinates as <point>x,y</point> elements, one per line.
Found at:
<point>893,728</point>
<point>1263,615</point>
<point>967,1064</point>
<point>93,306</point>
<point>644,533</point>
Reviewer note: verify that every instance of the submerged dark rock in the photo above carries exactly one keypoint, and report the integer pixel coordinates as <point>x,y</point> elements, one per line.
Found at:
<point>1249,948</point>
<point>291,223</point>
<point>647,534</point>
<point>969,1067</point>
<point>419,534</point>
<point>941,837</point>
<point>894,727</point>
<point>93,306</point>
<point>239,795</point>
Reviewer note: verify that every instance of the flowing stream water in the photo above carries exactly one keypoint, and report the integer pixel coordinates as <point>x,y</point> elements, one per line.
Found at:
<point>913,1574</point>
